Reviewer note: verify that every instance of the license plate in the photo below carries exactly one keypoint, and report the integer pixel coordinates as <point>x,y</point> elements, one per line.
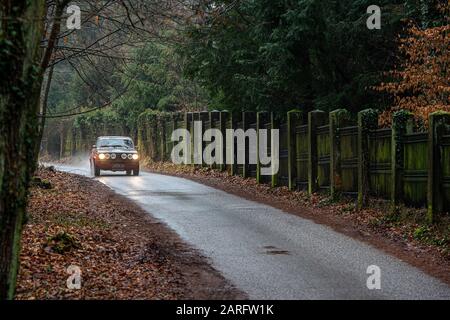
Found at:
<point>118,166</point>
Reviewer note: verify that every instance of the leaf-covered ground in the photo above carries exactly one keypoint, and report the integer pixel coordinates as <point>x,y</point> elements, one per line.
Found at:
<point>122,252</point>
<point>404,234</point>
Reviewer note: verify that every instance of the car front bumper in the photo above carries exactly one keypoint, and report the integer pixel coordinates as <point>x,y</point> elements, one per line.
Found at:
<point>117,165</point>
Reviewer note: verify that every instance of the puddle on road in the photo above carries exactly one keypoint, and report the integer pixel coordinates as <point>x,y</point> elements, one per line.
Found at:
<point>278,252</point>
<point>271,250</point>
<point>174,194</point>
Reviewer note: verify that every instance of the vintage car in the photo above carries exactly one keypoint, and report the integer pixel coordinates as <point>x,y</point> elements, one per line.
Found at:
<point>114,153</point>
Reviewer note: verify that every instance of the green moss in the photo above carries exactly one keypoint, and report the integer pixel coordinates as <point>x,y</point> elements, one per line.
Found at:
<point>301,162</point>
<point>63,242</point>
<point>416,156</point>
<point>380,150</point>
<point>41,183</point>
<point>441,113</point>
<point>400,119</point>
<point>368,119</point>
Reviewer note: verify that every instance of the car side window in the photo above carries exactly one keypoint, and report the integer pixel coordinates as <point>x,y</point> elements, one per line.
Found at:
<point>128,143</point>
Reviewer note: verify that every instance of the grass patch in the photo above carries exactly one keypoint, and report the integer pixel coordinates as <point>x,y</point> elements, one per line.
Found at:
<point>77,220</point>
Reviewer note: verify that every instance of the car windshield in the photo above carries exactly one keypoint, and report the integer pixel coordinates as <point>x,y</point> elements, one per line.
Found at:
<point>115,143</point>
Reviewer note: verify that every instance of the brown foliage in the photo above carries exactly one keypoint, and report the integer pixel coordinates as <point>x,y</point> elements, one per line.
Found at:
<point>422,83</point>
<point>122,252</point>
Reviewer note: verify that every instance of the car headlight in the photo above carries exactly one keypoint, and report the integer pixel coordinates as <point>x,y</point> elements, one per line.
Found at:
<point>135,156</point>
<point>124,156</point>
<point>130,156</point>
<point>107,156</point>
<point>101,156</point>
<point>113,156</point>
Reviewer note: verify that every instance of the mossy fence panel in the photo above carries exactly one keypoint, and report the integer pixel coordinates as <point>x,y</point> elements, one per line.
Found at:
<point>215,123</point>
<point>348,153</point>
<point>283,172</point>
<point>415,171</point>
<point>190,128</point>
<point>168,129</point>
<point>323,157</point>
<point>239,125</point>
<point>301,156</point>
<point>230,124</point>
<point>445,167</point>
<point>252,150</point>
<point>264,122</point>
<point>380,166</point>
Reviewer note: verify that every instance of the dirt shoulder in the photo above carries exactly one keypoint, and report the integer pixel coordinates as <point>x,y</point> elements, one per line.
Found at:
<point>405,234</point>
<point>122,252</point>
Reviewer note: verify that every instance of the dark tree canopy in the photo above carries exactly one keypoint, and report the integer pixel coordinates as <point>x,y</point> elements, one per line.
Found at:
<point>281,54</point>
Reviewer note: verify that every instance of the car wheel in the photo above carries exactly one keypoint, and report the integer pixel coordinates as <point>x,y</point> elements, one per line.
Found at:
<point>136,172</point>
<point>128,172</point>
<point>96,171</point>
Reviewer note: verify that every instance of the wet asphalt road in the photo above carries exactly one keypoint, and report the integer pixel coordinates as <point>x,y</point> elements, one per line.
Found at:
<point>267,253</point>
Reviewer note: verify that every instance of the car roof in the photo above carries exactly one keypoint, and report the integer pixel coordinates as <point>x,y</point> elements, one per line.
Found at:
<point>113,137</point>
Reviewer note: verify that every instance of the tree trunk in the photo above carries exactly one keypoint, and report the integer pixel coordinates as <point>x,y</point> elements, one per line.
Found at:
<point>43,112</point>
<point>21,31</point>
<point>61,141</point>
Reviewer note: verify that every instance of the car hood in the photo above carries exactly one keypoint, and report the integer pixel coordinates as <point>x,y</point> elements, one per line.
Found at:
<point>116,150</point>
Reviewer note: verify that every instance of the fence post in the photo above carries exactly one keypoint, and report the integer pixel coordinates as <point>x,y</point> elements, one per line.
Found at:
<point>273,125</point>
<point>261,117</point>
<point>245,126</point>
<point>438,121</point>
<point>223,118</point>
<point>166,121</point>
<point>293,118</point>
<point>190,128</point>
<point>174,126</point>
<point>152,137</point>
<point>367,121</point>
<point>196,143</point>
<point>315,119</point>
<point>180,124</point>
<point>185,126</point>
<point>338,119</point>
<point>213,116</point>
<point>401,121</point>
<point>230,148</point>
<point>204,116</point>
<point>159,134</point>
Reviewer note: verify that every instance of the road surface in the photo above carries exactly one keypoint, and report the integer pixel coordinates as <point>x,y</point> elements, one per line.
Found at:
<point>265,252</point>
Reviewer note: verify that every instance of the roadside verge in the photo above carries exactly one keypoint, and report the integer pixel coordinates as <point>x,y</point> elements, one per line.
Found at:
<point>121,252</point>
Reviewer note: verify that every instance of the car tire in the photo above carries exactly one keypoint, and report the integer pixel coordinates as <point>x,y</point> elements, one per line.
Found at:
<point>96,171</point>
<point>136,172</point>
<point>128,172</point>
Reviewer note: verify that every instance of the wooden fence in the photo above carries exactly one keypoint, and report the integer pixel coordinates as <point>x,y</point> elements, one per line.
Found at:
<point>334,152</point>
